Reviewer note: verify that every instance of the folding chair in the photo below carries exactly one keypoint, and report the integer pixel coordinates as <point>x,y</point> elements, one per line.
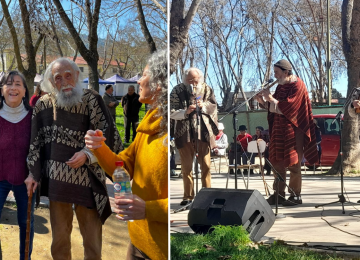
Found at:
<point>252,148</point>
<point>218,157</point>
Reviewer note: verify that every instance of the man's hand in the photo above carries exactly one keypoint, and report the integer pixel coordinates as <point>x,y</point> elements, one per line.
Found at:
<point>356,103</point>
<point>266,94</point>
<point>130,209</point>
<point>111,104</point>
<point>190,109</point>
<point>94,139</point>
<point>77,160</point>
<point>200,103</point>
<point>30,183</point>
<point>260,99</point>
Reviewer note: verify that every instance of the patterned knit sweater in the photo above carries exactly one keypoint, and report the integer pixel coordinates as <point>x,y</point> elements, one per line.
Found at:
<point>57,134</point>
<point>146,159</point>
<point>185,130</point>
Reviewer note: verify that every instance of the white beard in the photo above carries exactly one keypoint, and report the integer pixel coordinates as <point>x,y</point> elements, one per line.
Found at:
<point>69,98</point>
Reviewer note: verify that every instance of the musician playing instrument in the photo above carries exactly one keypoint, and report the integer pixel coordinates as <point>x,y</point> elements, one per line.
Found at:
<point>291,128</point>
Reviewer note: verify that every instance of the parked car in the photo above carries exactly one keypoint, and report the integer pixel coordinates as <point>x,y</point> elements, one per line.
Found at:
<point>330,139</point>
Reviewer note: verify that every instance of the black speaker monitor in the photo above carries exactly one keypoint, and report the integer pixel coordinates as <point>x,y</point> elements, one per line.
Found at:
<point>231,207</point>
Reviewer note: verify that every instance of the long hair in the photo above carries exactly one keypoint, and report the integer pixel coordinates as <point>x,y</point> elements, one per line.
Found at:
<point>158,71</point>
<point>48,81</point>
<point>10,76</point>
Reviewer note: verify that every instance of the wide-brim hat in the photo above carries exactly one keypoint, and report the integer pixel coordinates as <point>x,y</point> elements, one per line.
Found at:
<point>242,128</point>
<point>221,126</point>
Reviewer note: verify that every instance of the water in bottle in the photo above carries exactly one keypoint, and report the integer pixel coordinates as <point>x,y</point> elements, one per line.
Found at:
<point>121,179</point>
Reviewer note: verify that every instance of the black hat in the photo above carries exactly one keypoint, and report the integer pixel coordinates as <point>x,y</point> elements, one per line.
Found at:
<point>242,128</point>
<point>283,64</point>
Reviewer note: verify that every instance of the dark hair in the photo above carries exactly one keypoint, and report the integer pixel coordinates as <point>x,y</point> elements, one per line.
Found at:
<point>289,71</point>
<point>107,87</point>
<point>131,86</point>
<point>260,128</point>
<point>10,76</point>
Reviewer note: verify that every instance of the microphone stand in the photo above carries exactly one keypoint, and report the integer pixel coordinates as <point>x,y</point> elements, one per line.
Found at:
<point>341,196</point>
<point>278,179</point>
<point>234,111</point>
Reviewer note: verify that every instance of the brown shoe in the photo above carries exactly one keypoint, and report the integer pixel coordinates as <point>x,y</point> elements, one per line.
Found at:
<point>292,201</point>
<point>271,199</point>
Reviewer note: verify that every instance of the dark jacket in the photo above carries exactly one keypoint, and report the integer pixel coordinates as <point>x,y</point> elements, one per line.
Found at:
<point>131,105</point>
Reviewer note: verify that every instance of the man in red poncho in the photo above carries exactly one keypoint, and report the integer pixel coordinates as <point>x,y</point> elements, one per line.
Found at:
<point>292,130</point>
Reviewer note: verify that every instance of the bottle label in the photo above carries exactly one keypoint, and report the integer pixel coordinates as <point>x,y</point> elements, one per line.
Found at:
<point>122,187</point>
<point>117,187</point>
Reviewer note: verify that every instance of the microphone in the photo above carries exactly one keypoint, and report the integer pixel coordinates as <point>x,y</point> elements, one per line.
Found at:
<point>267,82</point>
<point>192,89</point>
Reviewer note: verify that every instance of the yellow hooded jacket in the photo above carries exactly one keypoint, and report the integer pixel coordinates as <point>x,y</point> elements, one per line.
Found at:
<point>146,160</point>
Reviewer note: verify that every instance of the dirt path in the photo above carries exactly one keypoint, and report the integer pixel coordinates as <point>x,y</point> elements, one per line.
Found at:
<point>114,246</point>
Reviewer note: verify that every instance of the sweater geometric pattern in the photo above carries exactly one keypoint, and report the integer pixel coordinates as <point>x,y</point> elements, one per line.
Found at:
<point>57,134</point>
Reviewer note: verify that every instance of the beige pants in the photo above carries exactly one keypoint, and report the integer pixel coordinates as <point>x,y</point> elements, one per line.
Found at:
<point>295,170</point>
<point>61,218</point>
<point>187,153</point>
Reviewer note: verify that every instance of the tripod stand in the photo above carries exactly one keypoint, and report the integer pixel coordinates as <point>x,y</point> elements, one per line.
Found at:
<point>341,196</point>
<point>278,179</point>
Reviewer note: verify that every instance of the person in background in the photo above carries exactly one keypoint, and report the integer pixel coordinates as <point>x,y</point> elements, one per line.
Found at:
<point>243,139</point>
<point>15,131</point>
<point>221,141</point>
<point>37,94</point>
<point>110,101</point>
<point>146,160</point>
<point>131,105</point>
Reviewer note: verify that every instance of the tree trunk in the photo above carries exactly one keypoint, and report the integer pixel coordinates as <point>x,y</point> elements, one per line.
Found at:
<point>144,28</point>
<point>351,47</point>
<point>90,55</point>
<point>179,28</point>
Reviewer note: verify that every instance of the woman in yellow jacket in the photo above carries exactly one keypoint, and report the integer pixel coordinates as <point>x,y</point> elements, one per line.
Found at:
<point>146,160</point>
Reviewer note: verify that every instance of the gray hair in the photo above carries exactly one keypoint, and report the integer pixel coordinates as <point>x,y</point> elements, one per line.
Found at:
<point>48,82</point>
<point>186,73</point>
<point>158,72</point>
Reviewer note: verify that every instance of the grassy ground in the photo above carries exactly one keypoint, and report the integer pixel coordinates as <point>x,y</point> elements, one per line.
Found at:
<point>120,122</point>
<point>227,242</point>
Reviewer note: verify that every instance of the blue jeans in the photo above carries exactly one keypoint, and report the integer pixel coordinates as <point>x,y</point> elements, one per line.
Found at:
<point>21,199</point>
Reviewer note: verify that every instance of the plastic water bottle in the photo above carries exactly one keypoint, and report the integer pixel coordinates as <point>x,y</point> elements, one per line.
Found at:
<point>121,178</point>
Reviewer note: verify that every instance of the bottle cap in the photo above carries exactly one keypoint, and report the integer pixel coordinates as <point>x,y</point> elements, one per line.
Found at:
<point>119,163</point>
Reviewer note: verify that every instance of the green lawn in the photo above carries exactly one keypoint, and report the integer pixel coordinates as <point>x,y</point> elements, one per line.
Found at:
<point>227,242</point>
<point>120,121</point>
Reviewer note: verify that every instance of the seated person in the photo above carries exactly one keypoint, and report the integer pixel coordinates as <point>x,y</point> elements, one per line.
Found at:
<point>221,142</point>
<point>242,141</point>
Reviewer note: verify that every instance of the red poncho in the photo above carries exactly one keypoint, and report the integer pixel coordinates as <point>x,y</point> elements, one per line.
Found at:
<point>295,105</point>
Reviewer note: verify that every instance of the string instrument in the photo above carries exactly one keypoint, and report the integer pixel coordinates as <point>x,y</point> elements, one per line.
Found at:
<point>27,240</point>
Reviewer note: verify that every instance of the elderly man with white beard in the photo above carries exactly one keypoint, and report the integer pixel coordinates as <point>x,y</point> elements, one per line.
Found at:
<point>58,159</point>
<point>184,129</point>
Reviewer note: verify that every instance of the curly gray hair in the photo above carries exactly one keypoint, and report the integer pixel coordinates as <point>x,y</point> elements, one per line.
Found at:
<point>186,73</point>
<point>158,71</point>
<point>48,82</point>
